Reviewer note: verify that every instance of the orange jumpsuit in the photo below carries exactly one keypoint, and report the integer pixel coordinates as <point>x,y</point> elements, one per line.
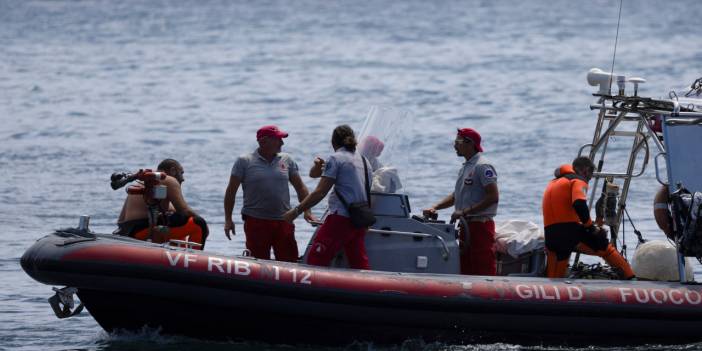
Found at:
<point>567,226</point>
<point>180,227</point>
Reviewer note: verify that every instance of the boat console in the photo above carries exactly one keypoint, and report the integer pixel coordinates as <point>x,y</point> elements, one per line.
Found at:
<point>401,242</point>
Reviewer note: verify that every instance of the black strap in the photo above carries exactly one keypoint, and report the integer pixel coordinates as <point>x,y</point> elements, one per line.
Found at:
<point>365,173</point>
<point>367,186</point>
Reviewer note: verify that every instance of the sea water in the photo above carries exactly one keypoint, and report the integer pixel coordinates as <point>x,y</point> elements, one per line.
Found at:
<point>88,88</point>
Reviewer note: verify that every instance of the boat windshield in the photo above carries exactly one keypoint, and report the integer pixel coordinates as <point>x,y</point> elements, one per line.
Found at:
<point>384,141</point>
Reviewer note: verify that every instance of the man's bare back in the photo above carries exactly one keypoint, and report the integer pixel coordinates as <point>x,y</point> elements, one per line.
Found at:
<point>135,208</point>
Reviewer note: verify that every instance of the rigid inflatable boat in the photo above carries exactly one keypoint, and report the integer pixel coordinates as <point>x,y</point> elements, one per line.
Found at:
<point>414,291</point>
<point>127,284</point>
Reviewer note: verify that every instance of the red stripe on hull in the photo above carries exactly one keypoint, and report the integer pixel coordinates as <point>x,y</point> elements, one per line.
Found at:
<point>472,287</point>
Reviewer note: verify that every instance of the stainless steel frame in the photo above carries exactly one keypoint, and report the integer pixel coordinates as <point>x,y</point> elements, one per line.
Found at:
<point>618,110</point>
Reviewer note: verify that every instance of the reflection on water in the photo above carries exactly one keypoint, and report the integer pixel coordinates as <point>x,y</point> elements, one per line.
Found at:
<point>151,340</point>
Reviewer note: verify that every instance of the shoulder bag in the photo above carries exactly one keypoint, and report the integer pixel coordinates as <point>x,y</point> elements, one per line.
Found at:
<point>360,213</point>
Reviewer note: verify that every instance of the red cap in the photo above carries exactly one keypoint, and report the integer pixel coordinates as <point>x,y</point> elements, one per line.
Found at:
<point>473,135</point>
<point>270,131</point>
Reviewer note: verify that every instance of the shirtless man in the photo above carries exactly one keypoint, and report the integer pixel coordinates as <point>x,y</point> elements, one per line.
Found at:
<point>181,220</point>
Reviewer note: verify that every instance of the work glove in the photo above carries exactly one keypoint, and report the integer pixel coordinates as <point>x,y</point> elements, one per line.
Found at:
<point>601,239</point>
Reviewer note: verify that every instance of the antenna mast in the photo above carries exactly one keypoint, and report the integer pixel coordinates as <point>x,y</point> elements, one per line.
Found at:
<point>616,40</point>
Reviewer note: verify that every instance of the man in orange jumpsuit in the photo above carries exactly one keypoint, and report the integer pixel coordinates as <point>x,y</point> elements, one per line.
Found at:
<point>567,223</point>
<point>182,222</point>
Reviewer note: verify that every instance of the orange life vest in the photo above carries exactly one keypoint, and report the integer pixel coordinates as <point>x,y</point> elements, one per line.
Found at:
<point>190,230</point>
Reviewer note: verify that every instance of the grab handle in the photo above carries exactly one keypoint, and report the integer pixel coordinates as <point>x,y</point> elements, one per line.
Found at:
<point>655,162</point>
<point>445,251</point>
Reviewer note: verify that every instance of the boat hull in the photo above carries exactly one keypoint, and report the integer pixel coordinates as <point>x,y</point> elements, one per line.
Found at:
<point>127,285</point>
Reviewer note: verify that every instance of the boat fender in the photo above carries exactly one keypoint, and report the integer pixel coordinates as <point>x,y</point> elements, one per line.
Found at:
<point>63,303</point>
<point>661,212</point>
<point>658,260</point>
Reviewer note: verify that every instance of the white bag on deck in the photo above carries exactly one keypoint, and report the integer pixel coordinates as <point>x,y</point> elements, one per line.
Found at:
<point>517,237</point>
<point>658,260</point>
<point>386,180</point>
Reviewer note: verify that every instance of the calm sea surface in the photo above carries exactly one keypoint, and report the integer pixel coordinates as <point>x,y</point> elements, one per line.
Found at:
<point>92,87</point>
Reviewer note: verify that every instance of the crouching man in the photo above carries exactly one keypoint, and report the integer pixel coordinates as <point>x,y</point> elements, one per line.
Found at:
<point>182,222</point>
<point>567,223</point>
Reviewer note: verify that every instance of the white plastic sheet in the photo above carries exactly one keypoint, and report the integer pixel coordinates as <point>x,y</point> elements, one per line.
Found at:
<point>516,237</point>
<point>386,180</point>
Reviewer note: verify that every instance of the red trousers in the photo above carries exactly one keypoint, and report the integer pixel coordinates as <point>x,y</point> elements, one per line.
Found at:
<point>478,256</point>
<point>336,233</point>
<point>264,234</point>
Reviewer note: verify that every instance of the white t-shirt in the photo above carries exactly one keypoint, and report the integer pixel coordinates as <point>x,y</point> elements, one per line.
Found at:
<point>346,168</point>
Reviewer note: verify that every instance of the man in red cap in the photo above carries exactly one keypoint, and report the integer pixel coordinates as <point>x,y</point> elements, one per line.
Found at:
<point>475,197</point>
<point>264,175</point>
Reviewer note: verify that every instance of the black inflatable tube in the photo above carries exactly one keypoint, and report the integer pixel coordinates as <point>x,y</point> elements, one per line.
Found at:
<point>129,295</point>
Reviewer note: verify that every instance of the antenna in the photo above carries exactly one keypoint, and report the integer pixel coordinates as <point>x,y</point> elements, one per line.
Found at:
<point>616,40</point>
